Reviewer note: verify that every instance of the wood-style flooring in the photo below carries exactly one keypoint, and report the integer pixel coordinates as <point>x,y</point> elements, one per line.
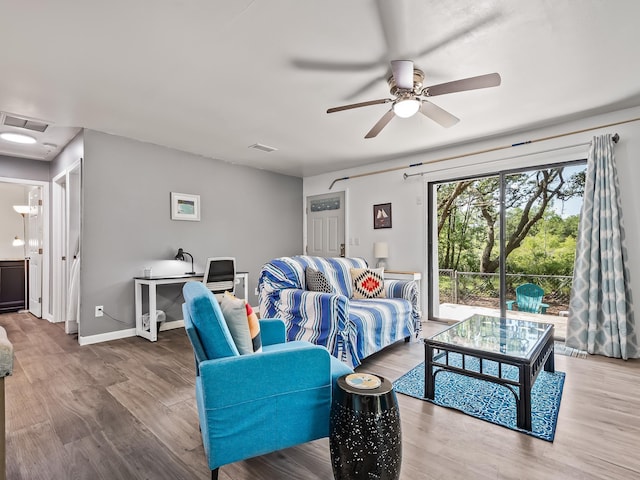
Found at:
<point>125,410</point>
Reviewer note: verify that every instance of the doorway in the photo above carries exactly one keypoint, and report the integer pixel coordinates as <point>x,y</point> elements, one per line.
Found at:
<point>35,228</point>
<point>502,235</point>
<point>326,225</point>
<point>67,190</point>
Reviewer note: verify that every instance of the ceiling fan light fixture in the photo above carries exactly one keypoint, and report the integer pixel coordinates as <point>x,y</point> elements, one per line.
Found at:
<point>406,107</point>
<point>17,137</point>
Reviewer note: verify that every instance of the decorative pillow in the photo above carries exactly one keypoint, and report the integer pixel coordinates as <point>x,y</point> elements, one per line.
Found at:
<point>244,328</point>
<point>254,328</point>
<point>317,281</point>
<point>368,282</point>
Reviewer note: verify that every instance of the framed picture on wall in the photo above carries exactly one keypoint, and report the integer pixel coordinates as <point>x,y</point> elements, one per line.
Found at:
<point>382,215</point>
<point>185,207</point>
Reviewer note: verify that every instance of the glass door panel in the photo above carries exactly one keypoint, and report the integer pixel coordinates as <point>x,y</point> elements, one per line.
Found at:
<point>468,232</point>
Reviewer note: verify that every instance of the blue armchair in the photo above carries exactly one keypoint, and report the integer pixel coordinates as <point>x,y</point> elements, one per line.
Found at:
<point>250,405</point>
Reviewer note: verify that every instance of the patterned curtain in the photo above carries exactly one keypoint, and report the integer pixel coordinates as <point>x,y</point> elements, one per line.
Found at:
<point>601,319</point>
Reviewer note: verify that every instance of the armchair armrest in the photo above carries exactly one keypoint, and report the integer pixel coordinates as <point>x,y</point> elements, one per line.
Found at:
<point>407,289</point>
<point>319,318</point>
<point>272,331</point>
<point>246,378</point>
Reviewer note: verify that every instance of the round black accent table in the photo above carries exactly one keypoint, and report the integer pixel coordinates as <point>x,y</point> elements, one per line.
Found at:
<point>365,438</point>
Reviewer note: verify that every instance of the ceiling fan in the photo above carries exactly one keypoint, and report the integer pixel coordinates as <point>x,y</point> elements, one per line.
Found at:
<point>405,85</point>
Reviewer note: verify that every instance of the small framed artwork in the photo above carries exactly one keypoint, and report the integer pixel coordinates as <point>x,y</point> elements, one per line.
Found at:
<point>185,207</point>
<point>382,215</point>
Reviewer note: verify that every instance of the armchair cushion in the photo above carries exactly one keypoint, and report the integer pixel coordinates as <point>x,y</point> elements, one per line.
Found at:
<point>235,315</point>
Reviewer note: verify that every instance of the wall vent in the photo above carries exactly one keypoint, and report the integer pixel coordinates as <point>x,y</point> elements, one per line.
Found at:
<point>264,148</point>
<point>27,124</point>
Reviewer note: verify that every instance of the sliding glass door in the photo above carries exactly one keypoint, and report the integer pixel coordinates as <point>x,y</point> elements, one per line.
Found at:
<point>505,243</point>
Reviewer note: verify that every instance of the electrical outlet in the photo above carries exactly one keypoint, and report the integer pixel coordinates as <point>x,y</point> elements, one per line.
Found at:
<point>99,310</point>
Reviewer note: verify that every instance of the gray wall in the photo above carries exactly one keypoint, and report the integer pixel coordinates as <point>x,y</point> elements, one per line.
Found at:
<point>246,213</point>
<point>70,154</point>
<point>23,168</point>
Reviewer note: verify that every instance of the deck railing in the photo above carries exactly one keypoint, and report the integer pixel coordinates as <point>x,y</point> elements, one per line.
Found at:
<point>483,289</point>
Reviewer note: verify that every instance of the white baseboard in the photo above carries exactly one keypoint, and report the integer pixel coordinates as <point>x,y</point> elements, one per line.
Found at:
<point>129,332</point>
<point>106,337</point>
<point>171,325</point>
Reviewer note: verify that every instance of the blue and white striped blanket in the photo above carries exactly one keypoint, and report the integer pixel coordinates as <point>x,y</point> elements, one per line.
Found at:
<point>350,329</point>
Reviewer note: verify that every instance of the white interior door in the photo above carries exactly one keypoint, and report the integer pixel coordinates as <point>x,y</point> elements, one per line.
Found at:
<point>325,225</point>
<point>60,247</point>
<point>73,192</point>
<point>34,250</point>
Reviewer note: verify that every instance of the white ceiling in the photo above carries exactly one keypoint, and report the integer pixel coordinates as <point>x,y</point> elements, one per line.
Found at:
<point>214,77</point>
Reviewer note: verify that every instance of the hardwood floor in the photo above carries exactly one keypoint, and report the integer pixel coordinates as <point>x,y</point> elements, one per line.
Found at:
<point>125,410</point>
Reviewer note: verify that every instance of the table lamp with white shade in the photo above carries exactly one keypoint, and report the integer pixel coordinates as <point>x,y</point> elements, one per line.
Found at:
<point>381,252</point>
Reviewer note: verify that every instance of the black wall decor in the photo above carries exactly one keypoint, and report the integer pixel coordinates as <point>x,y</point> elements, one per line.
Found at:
<point>382,215</point>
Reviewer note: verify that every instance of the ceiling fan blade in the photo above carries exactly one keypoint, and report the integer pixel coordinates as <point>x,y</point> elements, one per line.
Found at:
<point>472,83</point>
<point>377,128</point>
<point>403,73</point>
<point>438,114</point>
<point>358,105</point>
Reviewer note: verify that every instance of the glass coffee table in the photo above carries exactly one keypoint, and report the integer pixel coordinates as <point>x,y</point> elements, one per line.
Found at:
<point>525,345</point>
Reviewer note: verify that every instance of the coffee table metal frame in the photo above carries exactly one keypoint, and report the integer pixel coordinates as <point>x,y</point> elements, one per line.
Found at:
<point>529,366</point>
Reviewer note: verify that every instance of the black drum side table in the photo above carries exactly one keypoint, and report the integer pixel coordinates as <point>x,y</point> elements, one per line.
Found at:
<point>365,438</point>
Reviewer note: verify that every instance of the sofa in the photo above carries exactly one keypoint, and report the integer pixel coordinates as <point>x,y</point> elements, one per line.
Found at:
<point>350,328</point>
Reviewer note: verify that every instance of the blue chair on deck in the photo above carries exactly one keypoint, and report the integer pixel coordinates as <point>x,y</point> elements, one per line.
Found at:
<point>529,299</point>
<point>253,404</point>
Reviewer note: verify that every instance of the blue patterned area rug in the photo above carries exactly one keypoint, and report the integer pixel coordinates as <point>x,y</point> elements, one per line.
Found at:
<point>487,400</point>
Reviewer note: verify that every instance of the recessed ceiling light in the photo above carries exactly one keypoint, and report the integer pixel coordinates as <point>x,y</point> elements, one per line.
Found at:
<point>49,145</point>
<point>17,137</point>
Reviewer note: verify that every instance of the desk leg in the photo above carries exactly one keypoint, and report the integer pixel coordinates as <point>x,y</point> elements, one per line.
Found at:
<point>246,287</point>
<point>138,295</point>
<point>153,317</point>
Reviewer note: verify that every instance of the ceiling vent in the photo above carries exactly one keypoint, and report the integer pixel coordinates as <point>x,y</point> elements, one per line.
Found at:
<point>27,124</point>
<point>264,148</point>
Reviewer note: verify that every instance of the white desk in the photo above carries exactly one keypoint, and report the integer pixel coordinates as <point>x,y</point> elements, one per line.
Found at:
<point>398,275</point>
<point>152,283</point>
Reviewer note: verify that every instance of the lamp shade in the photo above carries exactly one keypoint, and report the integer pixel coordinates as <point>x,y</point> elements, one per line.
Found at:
<point>17,242</point>
<point>381,250</point>
<point>21,209</point>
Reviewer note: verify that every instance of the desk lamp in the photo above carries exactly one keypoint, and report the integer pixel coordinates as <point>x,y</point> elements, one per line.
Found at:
<point>381,252</point>
<point>180,256</point>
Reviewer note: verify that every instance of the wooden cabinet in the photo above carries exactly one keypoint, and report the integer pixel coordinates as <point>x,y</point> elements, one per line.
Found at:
<point>12,290</point>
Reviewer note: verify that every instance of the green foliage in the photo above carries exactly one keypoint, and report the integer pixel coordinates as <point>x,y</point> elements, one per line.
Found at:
<point>538,240</point>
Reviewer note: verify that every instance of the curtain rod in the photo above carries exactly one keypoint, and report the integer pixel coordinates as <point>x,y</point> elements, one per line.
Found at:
<point>478,152</point>
<point>408,175</point>
<point>615,139</point>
